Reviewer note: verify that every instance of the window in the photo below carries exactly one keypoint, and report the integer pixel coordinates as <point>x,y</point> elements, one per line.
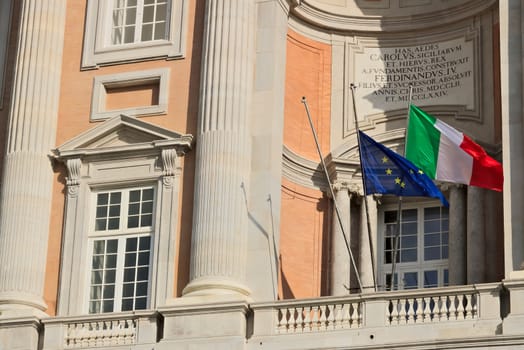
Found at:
<point>5,23</point>
<point>119,240</point>
<point>121,250</point>
<point>123,30</point>
<point>421,250</point>
<point>135,21</point>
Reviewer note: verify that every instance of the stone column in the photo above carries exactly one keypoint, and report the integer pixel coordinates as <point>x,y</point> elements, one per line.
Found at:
<point>368,253</point>
<point>457,235</point>
<point>340,260</point>
<point>476,257</point>
<point>25,200</point>
<point>219,239</point>
<point>512,102</point>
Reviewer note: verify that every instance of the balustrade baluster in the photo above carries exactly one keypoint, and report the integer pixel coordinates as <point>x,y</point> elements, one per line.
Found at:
<point>410,303</point>
<point>331,316</point>
<point>460,307</point>
<point>307,320</point>
<point>402,314</point>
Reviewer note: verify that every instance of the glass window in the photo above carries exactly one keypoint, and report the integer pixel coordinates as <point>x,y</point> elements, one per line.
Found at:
<point>419,247</point>
<point>120,265</point>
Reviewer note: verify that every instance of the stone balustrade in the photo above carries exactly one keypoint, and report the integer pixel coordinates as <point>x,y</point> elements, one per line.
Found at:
<point>106,330</point>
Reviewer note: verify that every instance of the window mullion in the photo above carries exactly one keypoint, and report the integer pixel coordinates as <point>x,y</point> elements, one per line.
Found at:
<point>119,273</point>
<point>139,19</point>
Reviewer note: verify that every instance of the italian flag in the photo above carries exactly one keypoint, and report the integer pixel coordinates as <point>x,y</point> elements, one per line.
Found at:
<point>445,154</point>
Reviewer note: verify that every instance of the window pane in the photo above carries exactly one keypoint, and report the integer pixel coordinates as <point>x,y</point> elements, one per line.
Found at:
<point>432,226</point>
<point>408,255</point>
<point>134,196</point>
<point>111,261</point>
<point>143,258</point>
<point>142,274</point>
<point>131,244</point>
<point>101,211</point>
<point>94,307</point>
<point>98,262</point>
<point>131,2</point>
<point>432,253</point>
<point>127,304</point>
<point>147,194</point>
<point>160,31</point>
<point>134,209</point>
<point>149,12</point>
<point>409,242</point>
<point>129,274</point>
<point>109,292</point>
<point>432,213</point>
<point>409,228</point>
<point>446,277</point>
<point>430,279</point>
<point>107,306</point>
<point>129,35</point>
<point>114,210</point>
<point>432,239</point>
<point>140,303</point>
<point>102,198</point>
<point>113,224</point>
<point>141,289</point>
<point>147,208</point>
<point>145,243</point>
<point>409,215</point>
<point>147,220</point>
<point>444,252</point>
<point>445,238</point>
<point>110,276</point>
<point>116,36</point>
<point>132,222</point>
<point>390,216</point>
<point>147,32</point>
<point>98,247</point>
<point>112,246</point>
<point>96,292</point>
<point>96,277</point>
<point>128,290</point>
<point>147,2</point>
<point>130,259</point>
<point>161,12</point>
<point>410,280</point>
<point>100,224</point>
<point>115,198</point>
<point>388,282</point>
<point>131,16</point>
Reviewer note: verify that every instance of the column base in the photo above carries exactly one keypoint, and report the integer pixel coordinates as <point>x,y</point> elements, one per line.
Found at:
<point>512,324</point>
<point>215,286</point>
<point>21,304</point>
<point>20,333</point>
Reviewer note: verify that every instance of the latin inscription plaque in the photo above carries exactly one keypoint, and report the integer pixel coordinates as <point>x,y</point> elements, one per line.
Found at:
<point>441,73</point>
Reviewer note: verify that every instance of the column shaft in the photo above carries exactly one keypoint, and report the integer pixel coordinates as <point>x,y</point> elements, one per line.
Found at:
<point>457,236</point>
<point>218,252</point>
<point>25,201</point>
<point>366,256</point>
<point>476,257</point>
<point>340,260</point>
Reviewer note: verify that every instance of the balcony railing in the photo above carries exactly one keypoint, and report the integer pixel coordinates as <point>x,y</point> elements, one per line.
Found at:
<point>102,330</point>
<point>382,309</point>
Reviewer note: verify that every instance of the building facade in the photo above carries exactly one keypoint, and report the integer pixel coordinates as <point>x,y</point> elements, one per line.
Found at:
<point>163,188</point>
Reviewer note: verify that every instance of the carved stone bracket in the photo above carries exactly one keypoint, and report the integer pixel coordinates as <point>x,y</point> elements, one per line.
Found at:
<point>169,161</point>
<point>73,171</point>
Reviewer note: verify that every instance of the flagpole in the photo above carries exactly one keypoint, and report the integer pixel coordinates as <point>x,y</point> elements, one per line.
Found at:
<point>372,254</point>
<point>399,211</point>
<point>332,192</point>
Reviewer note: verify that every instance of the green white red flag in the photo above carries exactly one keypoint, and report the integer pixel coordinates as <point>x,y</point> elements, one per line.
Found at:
<point>446,154</point>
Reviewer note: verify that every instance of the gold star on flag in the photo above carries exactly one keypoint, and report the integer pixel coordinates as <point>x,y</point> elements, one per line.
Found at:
<point>403,184</point>
<point>384,159</point>
<point>397,180</point>
<point>411,171</point>
<point>389,171</point>
<point>420,171</point>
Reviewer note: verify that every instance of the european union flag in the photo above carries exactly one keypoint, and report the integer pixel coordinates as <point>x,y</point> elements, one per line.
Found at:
<point>387,172</point>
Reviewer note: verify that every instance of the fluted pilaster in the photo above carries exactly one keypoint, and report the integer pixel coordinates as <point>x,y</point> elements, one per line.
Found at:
<point>367,248</point>
<point>25,201</point>
<point>218,251</point>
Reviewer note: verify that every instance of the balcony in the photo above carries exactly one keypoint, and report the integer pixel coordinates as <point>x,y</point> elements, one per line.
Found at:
<point>437,318</point>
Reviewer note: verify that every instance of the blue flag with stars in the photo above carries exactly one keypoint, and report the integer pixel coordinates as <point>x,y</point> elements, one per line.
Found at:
<point>387,172</point>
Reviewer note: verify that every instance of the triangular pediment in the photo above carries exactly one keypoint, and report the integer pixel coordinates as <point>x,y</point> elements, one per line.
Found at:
<point>122,133</point>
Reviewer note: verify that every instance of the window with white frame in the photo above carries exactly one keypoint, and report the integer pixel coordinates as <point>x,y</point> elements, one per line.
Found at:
<point>419,247</point>
<point>122,30</point>
<point>120,246</point>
